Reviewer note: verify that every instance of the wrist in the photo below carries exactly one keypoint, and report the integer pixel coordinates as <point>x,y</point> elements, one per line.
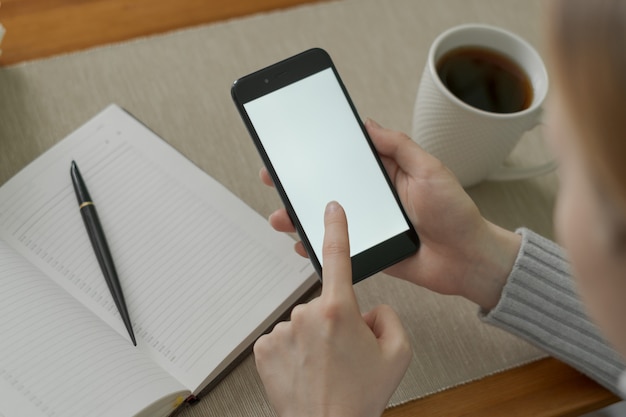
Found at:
<point>494,262</point>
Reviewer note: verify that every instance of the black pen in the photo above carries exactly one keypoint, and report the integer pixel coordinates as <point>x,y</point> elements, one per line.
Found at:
<point>99,243</point>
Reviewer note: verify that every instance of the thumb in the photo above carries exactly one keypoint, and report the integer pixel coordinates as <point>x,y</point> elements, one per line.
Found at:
<point>398,147</point>
<point>389,332</point>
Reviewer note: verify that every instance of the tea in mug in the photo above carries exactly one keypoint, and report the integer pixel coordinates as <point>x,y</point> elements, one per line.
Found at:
<point>485,79</point>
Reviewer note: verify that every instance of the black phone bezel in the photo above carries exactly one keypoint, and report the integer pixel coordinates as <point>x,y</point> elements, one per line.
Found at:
<point>282,74</point>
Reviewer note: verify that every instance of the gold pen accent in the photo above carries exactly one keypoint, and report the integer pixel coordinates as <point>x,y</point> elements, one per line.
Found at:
<point>85,204</point>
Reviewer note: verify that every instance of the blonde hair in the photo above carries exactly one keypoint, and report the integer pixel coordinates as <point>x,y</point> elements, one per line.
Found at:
<point>587,53</point>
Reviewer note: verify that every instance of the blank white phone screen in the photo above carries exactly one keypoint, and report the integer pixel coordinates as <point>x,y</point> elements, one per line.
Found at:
<point>319,153</point>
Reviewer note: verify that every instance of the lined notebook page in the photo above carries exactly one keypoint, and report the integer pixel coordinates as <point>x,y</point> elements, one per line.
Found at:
<point>59,359</point>
<point>200,270</point>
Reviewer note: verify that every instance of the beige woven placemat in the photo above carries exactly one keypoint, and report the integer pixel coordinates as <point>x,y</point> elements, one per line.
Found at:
<point>178,84</point>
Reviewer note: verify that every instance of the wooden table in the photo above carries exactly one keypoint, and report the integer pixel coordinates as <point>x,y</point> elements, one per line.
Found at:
<point>41,28</point>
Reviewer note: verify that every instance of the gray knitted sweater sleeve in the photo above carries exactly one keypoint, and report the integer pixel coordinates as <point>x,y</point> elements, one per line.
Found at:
<point>539,303</point>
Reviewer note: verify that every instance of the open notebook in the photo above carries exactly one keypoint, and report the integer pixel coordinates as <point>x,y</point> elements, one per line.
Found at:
<point>203,276</point>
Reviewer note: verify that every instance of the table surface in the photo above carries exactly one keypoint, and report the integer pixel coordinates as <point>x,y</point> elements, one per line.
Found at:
<point>42,28</point>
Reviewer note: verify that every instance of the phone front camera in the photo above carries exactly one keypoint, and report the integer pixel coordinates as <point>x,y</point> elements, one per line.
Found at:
<point>267,81</point>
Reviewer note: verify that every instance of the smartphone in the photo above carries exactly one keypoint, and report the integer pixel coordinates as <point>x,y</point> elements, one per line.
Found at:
<point>316,150</point>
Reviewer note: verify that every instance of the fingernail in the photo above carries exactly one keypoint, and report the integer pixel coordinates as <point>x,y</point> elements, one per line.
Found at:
<point>332,207</point>
<point>372,123</point>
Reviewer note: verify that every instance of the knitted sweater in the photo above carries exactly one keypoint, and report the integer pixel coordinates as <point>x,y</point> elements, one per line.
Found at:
<point>540,304</point>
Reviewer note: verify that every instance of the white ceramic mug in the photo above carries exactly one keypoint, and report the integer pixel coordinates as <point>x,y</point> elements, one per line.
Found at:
<point>471,142</point>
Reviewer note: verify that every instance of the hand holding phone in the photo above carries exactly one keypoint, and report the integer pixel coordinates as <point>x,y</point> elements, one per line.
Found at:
<point>316,150</point>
